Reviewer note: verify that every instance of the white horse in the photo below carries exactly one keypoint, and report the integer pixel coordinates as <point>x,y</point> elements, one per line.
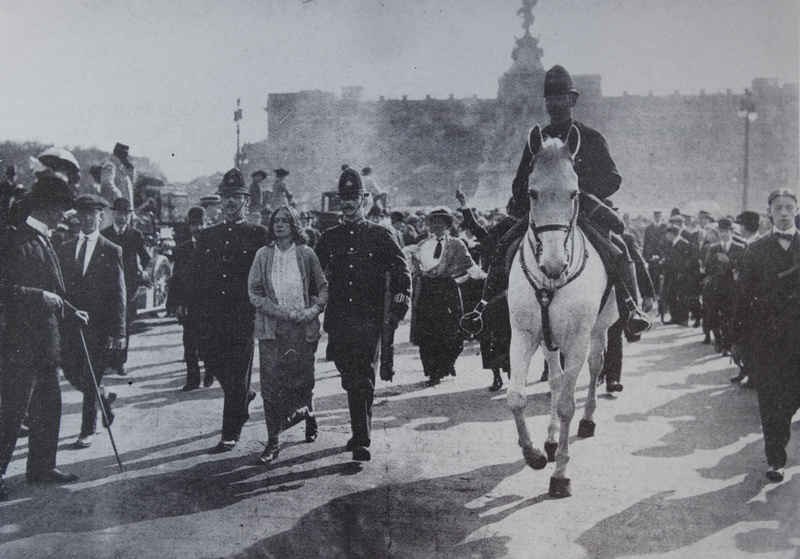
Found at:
<point>558,294</point>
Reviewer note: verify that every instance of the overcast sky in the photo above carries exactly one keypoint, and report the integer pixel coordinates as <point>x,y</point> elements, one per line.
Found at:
<point>163,75</point>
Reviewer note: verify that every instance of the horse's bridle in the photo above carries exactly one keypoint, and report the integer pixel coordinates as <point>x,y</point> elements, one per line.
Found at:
<point>568,229</point>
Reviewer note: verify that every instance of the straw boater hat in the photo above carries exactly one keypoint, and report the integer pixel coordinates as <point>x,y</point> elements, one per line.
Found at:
<point>440,212</point>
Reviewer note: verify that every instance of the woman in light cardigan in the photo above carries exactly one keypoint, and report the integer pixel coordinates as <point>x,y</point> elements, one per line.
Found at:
<point>288,289</point>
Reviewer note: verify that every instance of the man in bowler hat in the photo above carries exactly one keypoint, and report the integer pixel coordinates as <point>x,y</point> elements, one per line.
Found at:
<point>135,260</point>
<point>256,196</point>
<point>218,300</point>
<point>768,323</point>
<point>356,256</point>
<point>178,297</point>
<point>92,267</point>
<point>33,296</point>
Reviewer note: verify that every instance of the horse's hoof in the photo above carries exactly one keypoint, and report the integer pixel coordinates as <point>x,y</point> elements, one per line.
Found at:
<point>560,487</point>
<point>550,449</point>
<point>534,458</point>
<point>586,429</point>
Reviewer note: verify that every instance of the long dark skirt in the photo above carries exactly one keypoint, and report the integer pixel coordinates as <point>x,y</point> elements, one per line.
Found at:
<point>495,338</point>
<point>437,329</point>
<point>287,374</point>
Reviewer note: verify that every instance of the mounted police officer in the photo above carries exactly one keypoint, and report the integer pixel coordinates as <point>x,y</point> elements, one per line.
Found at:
<point>218,299</point>
<point>597,179</point>
<point>357,255</point>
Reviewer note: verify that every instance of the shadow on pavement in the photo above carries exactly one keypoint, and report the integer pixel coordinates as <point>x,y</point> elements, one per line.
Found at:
<point>660,524</point>
<point>421,519</point>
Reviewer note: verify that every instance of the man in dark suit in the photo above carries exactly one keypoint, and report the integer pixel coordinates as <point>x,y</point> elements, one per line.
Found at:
<point>218,299</point>
<point>721,263</point>
<point>178,297</point>
<point>768,324</point>
<point>92,267</point>
<point>653,237</point>
<point>33,311</point>
<point>678,264</point>
<point>135,260</point>
<point>356,256</point>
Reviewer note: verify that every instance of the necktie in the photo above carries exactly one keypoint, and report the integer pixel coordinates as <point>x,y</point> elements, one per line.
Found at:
<point>784,236</point>
<point>82,254</point>
<point>437,252</point>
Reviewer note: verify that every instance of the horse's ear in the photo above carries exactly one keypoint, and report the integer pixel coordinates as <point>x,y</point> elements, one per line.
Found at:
<point>573,140</point>
<point>535,140</point>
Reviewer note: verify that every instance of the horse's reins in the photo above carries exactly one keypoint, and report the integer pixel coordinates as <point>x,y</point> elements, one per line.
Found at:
<point>545,294</point>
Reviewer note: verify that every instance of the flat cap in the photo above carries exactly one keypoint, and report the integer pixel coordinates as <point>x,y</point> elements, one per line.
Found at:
<point>89,202</point>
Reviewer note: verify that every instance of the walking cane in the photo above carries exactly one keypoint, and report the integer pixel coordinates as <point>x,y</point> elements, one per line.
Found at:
<point>99,397</point>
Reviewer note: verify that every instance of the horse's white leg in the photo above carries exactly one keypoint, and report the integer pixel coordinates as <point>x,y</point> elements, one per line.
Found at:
<point>522,349</point>
<point>556,381</point>
<point>559,483</point>
<point>597,347</point>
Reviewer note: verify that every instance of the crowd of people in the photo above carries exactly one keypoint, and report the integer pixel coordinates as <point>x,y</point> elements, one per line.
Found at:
<point>251,267</point>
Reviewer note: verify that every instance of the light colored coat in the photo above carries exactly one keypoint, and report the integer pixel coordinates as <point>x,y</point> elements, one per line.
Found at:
<point>262,293</point>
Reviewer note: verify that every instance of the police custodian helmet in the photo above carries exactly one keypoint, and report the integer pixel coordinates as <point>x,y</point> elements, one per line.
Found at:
<point>558,81</point>
<point>350,183</point>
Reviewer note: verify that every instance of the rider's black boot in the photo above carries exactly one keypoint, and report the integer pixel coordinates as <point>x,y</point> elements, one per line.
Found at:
<point>634,320</point>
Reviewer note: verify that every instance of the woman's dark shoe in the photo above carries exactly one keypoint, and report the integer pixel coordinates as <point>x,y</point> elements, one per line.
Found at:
<point>270,453</point>
<point>311,429</point>
<point>296,417</point>
<point>613,387</point>
<point>497,384</point>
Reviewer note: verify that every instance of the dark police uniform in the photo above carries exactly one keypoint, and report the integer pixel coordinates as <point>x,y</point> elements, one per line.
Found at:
<point>356,258</point>
<point>217,298</point>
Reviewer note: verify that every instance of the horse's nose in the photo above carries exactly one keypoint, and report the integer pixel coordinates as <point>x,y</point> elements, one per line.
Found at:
<point>552,272</point>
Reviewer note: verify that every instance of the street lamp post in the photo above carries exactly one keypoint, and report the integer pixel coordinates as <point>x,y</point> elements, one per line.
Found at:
<point>237,116</point>
<point>747,110</point>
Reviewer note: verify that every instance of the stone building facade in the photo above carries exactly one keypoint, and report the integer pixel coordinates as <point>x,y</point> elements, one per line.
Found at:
<point>675,150</point>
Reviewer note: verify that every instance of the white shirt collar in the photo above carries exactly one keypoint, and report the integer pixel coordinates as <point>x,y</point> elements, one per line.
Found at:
<point>93,236</point>
<point>38,225</point>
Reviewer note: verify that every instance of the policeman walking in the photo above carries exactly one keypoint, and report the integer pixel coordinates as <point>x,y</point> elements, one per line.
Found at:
<point>356,256</point>
<point>218,299</point>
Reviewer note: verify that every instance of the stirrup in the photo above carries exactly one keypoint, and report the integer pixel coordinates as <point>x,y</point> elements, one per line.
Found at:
<point>637,323</point>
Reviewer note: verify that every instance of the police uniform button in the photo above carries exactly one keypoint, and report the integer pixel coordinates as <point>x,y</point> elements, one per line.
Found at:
<point>227,242</point>
<point>224,275</point>
<point>351,300</point>
<point>351,231</point>
<point>351,265</point>
<point>223,293</point>
<point>351,283</point>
